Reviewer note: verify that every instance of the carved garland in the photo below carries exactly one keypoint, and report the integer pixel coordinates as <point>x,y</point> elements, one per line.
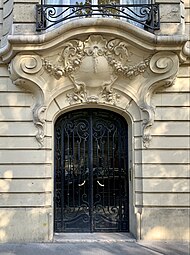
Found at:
<point>108,60</point>
<point>114,55</point>
<point>128,71</point>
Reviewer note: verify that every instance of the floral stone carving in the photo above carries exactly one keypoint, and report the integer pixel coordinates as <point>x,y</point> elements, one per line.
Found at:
<point>93,66</point>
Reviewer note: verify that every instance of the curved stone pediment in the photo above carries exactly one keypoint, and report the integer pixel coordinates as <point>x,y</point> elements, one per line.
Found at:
<point>95,69</point>
<point>94,65</point>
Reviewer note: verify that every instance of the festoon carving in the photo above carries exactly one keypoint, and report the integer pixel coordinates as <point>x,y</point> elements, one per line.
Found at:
<point>93,66</point>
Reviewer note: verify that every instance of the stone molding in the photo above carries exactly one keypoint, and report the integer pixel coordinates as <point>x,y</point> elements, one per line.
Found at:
<point>30,65</point>
<point>95,63</point>
<point>99,70</point>
<point>135,35</point>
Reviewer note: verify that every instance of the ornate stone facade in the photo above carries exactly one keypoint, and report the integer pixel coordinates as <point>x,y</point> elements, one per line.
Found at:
<point>101,71</point>
<point>94,63</point>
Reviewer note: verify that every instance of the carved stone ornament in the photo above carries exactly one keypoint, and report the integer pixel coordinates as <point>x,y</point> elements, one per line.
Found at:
<point>101,71</point>
<point>165,66</point>
<point>94,65</point>
<point>31,64</point>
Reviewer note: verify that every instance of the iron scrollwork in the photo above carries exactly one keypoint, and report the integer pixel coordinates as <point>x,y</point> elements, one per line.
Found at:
<point>92,190</point>
<point>146,15</point>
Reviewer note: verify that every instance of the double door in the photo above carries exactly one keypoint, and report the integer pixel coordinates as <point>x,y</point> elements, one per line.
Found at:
<point>91,177</point>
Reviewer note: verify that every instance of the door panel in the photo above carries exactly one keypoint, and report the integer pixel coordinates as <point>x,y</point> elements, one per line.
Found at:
<point>91,186</point>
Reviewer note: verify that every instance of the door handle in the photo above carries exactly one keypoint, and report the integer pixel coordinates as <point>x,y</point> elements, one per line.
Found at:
<point>81,184</point>
<point>102,185</point>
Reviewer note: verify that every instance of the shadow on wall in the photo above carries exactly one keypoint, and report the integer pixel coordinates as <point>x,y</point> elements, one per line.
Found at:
<point>165,185</point>
<point>24,217</point>
<point>5,215</point>
<point>25,186</point>
<point>172,224</point>
<point>21,217</point>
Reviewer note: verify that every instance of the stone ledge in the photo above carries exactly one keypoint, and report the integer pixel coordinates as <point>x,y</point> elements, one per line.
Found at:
<point>93,237</point>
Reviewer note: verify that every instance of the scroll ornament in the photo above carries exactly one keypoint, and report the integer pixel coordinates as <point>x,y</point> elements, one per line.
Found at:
<point>94,63</point>
<point>30,65</point>
<point>93,66</point>
<point>165,66</point>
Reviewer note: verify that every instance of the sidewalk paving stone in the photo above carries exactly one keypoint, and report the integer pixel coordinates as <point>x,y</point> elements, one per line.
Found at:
<point>96,244</point>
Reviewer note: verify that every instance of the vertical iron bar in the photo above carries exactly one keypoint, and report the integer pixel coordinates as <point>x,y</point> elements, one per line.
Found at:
<point>62,174</point>
<point>69,168</point>
<point>113,143</point>
<point>114,166</point>
<point>97,166</point>
<point>158,25</point>
<point>55,182</point>
<point>119,177</point>
<point>91,173</point>
<point>73,167</point>
<point>126,181</point>
<point>108,172</point>
<point>103,166</point>
<point>116,11</point>
<point>152,18</point>
<point>79,169</point>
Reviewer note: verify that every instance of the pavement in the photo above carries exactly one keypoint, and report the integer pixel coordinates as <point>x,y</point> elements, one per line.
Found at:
<point>96,244</point>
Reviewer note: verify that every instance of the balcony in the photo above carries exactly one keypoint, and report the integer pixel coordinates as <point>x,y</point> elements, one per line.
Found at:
<point>146,16</point>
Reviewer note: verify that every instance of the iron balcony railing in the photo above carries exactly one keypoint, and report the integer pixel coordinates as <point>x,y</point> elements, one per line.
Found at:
<point>146,16</point>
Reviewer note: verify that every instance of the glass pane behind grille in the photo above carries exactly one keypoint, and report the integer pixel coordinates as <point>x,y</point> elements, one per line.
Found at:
<point>91,187</point>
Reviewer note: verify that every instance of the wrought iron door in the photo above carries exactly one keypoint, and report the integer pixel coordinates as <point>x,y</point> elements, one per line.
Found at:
<point>91,177</point>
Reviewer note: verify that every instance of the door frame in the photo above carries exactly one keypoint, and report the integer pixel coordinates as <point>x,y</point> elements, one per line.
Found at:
<point>122,121</point>
<point>133,117</point>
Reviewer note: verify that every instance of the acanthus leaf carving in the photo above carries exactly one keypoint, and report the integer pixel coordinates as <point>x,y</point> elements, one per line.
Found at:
<point>94,63</point>
<point>69,60</point>
<point>39,122</point>
<point>165,67</point>
<point>119,57</point>
<point>23,69</point>
<point>147,124</point>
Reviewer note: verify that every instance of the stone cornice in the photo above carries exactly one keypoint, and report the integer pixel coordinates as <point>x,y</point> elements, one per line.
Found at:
<point>140,38</point>
<point>95,69</point>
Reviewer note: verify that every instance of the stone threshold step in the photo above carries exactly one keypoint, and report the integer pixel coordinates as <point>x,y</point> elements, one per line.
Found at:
<point>93,237</point>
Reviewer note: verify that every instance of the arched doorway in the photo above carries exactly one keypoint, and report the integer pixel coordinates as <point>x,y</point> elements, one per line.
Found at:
<point>91,172</point>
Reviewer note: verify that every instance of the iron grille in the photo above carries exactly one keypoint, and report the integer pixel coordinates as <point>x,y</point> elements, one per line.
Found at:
<point>147,16</point>
<point>91,172</point>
